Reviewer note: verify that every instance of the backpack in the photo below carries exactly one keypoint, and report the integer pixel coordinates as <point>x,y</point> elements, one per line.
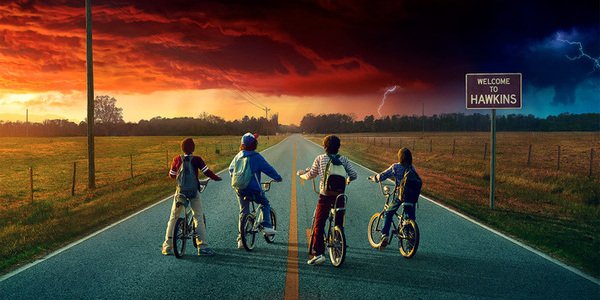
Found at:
<point>187,182</point>
<point>410,186</point>
<point>334,178</point>
<point>242,173</point>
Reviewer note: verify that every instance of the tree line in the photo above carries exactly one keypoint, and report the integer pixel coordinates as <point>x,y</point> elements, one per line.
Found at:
<point>109,122</point>
<point>338,123</point>
<point>202,125</point>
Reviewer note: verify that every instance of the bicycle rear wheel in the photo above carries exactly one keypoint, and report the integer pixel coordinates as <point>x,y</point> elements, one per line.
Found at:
<point>337,246</point>
<point>409,239</point>
<point>248,232</point>
<point>179,238</point>
<point>271,238</point>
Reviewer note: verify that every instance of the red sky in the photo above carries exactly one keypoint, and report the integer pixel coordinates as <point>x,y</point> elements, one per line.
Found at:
<point>181,58</point>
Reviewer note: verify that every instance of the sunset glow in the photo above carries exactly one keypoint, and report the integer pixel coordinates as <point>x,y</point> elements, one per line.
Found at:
<point>182,60</point>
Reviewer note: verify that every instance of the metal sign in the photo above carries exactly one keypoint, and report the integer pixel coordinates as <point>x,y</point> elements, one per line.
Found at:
<point>494,90</point>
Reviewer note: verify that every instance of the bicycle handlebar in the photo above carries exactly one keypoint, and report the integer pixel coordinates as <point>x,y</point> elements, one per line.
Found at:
<point>267,184</point>
<point>385,188</point>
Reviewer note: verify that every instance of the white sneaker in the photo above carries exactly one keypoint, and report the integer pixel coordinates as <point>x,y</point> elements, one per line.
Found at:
<point>240,244</point>
<point>269,231</point>
<point>317,260</point>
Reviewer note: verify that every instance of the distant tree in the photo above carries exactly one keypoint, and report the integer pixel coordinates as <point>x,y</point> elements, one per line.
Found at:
<point>106,110</point>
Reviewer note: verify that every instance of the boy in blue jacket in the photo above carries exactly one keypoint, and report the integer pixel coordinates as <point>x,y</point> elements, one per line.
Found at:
<point>254,190</point>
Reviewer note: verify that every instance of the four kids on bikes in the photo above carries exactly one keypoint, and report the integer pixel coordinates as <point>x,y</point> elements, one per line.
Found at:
<point>246,169</point>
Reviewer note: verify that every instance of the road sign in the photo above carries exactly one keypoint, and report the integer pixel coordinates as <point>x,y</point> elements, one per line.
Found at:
<point>494,90</point>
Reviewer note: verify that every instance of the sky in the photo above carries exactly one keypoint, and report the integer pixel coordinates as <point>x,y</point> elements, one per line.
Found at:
<point>183,58</point>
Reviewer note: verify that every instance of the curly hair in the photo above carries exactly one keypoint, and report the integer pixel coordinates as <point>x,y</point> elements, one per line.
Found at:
<point>188,146</point>
<point>331,144</point>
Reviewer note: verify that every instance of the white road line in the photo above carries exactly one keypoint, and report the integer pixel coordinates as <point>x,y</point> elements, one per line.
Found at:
<point>29,265</point>
<point>519,243</point>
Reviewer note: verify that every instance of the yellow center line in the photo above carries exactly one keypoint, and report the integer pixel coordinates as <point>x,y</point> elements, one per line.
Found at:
<point>291,276</point>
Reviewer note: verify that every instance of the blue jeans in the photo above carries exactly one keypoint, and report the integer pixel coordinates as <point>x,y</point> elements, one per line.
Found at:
<point>409,212</point>
<point>258,198</point>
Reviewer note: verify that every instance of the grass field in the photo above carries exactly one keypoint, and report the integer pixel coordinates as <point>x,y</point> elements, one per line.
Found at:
<point>54,217</point>
<point>555,210</point>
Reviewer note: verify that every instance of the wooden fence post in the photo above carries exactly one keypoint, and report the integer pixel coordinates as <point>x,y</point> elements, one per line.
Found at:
<point>389,142</point>
<point>591,160</point>
<point>484,151</point>
<point>453,146</point>
<point>131,164</point>
<point>430,145</point>
<point>74,178</point>
<point>529,156</point>
<point>31,184</point>
<point>558,158</point>
<point>413,145</point>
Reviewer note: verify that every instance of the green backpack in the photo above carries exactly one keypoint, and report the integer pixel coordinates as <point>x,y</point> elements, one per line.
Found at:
<point>242,173</point>
<point>187,182</point>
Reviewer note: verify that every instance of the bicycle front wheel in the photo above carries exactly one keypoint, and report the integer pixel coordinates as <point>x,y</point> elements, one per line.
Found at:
<point>179,238</point>
<point>374,232</point>
<point>409,239</point>
<point>337,246</point>
<point>271,238</point>
<point>248,232</point>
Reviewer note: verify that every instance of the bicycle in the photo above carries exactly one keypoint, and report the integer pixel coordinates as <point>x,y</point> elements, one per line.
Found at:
<point>335,238</point>
<point>251,222</point>
<point>184,227</point>
<point>407,231</point>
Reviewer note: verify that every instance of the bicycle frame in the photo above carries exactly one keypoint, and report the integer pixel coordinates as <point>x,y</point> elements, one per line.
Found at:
<point>256,211</point>
<point>188,224</point>
<point>332,214</point>
<point>388,194</point>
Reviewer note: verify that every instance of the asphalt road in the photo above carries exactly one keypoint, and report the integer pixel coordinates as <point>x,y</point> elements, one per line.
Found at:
<point>456,258</point>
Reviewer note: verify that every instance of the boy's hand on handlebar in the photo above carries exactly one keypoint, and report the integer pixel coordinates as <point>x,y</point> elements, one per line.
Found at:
<point>301,172</point>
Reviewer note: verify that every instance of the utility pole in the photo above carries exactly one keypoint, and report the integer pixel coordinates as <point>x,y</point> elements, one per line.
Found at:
<point>90,95</point>
<point>27,122</point>
<point>267,118</point>
<point>423,117</point>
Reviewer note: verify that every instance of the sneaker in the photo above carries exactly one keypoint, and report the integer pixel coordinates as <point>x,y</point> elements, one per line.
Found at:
<point>384,242</point>
<point>269,231</point>
<point>317,260</point>
<point>240,244</point>
<point>206,252</point>
<point>167,251</point>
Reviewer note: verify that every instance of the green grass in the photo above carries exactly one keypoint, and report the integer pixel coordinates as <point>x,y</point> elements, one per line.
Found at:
<point>55,218</point>
<point>555,211</point>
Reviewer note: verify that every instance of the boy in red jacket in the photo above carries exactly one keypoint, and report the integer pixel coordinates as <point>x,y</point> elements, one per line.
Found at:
<point>188,147</point>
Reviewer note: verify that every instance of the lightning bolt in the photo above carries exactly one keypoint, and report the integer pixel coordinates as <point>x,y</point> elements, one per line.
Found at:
<point>387,92</point>
<point>582,54</point>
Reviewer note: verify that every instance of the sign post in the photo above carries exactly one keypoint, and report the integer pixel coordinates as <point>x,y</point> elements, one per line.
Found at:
<point>493,91</point>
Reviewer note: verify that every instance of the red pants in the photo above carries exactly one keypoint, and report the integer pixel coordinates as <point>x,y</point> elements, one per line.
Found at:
<point>324,205</point>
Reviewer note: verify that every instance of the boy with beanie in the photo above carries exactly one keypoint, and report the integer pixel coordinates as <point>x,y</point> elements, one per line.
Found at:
<point>253,190</point>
